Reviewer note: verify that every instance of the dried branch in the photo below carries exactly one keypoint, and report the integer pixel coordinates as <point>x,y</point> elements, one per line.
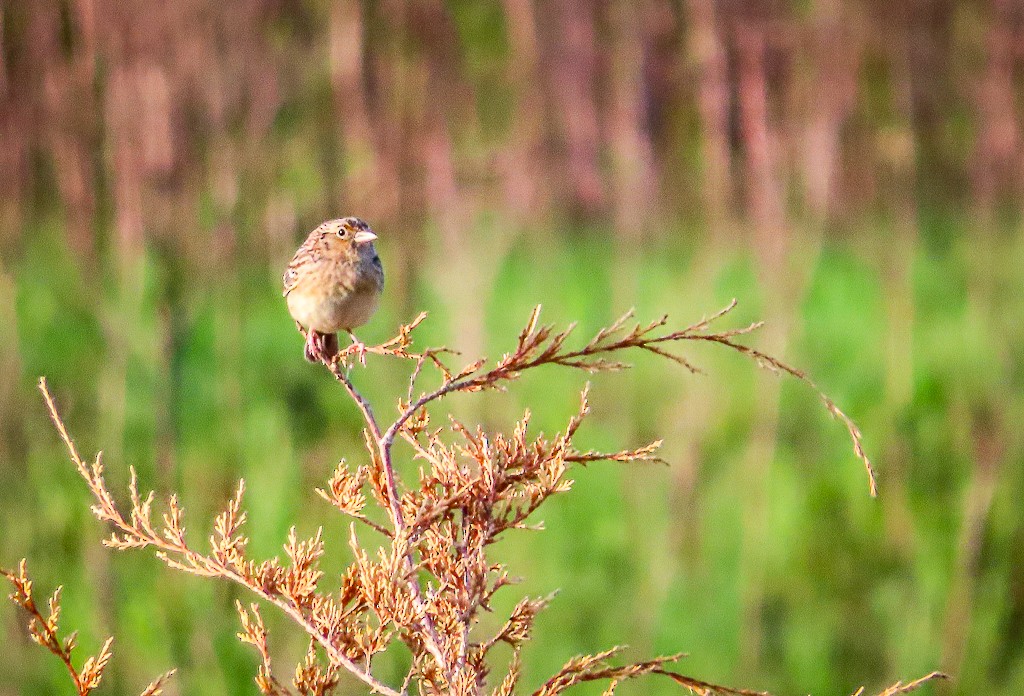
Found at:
<point>156,687</point>
<point>587,668</point>
<point>286,588</point>
<point>539,345</point>
<point>255,633</point>
<point>901,688</point>
<point>428,584</point>
<point>45,632</point>
<point>776,365</point>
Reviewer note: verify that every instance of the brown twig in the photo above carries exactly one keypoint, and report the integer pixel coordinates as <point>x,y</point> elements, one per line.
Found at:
<point>173,550</point>
<point>383,453</point>
<point>901,688</point>
<point>45,632</point>
<point>540,345</point>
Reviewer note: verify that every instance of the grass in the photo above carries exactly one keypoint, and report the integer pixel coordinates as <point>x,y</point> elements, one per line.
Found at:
<point>757,550</point>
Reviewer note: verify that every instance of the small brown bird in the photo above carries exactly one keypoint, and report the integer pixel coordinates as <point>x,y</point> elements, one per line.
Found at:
<point>333,283</point>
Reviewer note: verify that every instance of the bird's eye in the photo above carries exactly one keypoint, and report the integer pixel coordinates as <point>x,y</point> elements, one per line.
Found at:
<point>342,233</point>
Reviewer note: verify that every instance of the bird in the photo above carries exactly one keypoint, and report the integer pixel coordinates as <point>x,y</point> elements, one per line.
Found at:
<point>334,283</point>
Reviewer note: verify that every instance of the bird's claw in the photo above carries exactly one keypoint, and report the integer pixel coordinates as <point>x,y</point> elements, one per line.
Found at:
<point>321,347</point>
<point>358,348</point>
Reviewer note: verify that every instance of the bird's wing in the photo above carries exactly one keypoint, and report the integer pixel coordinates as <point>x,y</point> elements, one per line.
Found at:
<point>291,276</point>
<point>309,253</point>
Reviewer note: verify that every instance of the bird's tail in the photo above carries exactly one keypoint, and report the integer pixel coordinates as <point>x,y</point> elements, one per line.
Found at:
<point>330,346</point>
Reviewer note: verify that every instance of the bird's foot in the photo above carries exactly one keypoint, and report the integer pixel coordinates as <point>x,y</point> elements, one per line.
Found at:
<point>358,348</point>
<point>320,347</point>
<point>312,348</point>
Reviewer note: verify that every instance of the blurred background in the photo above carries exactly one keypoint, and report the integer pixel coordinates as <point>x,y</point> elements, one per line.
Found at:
<point>849,171</point>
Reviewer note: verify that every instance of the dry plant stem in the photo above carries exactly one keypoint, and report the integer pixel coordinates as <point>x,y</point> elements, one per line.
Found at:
<point>433,642</point>
<point>198,564</point>
<point>299,618</point>
<point>156,687</point>
<point>595,667</point>
<point>44,631</point>
<point>725,339</point>
<point>364,405</point>
<point>901,688</point>
<point>540,345</point>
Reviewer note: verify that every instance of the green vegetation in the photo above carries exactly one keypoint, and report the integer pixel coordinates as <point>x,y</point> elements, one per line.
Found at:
<point>849,171</point>
<point>757,550</point>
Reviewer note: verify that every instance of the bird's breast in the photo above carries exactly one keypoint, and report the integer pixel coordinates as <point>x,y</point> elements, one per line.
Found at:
<point>332,308</point>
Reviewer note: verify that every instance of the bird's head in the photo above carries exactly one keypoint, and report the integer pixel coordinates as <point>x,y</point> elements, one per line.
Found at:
<point>349,229</point>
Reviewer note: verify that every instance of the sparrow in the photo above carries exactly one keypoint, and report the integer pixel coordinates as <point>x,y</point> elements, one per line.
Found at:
<point>333,283</point>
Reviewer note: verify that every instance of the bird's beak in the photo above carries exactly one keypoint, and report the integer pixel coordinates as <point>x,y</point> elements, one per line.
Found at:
<point>364,236</point>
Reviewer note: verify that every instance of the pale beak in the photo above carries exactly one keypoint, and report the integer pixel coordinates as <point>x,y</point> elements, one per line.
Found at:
<point>364,236</point>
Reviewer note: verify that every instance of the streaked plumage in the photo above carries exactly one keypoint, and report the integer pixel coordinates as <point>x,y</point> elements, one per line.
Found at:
<point>333,283</point>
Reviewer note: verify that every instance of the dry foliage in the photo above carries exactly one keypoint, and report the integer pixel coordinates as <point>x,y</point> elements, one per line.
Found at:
<point>901,688</point>
<point>428,582</point>
<point>46,632</point>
